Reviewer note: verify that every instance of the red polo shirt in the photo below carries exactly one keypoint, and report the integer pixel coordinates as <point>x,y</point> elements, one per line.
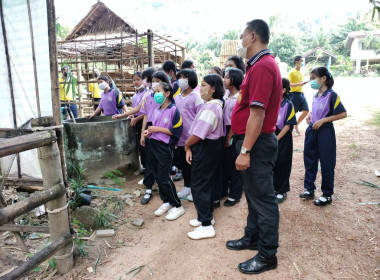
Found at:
<point>262,86</point>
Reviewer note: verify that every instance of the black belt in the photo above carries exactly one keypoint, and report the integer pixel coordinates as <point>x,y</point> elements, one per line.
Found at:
<point>239,137</point>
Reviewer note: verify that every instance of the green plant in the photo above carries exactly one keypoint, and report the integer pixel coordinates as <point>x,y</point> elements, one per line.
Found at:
<point>116,176</point>
<point>376,118</point>
<point>352,146</point>
<point>80,232</point>
<point>77,184</point>
<point>104,219</point>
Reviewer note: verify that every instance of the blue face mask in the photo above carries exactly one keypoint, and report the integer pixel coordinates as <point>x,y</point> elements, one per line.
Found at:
<point>169,78</point>
<point>314,84</point>
<point>159,97</point>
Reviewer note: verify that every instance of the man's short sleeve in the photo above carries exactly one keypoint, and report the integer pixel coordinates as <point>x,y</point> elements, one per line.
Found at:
<point>260,87</point>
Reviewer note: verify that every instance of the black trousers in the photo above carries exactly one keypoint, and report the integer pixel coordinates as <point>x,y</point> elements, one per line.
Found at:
<point>148,175</point>
<point>161,158</point>
<point>232,178</point>
<point>320,144</point>
<point>96,105</point>
<point>140,148</point>
<point>206,156</point>
<point>263,214</point>
<point>184,166</point>
<point>283,167</point>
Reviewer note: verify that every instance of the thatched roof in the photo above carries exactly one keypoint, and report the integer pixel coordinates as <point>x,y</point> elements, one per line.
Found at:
<point>100,20</point>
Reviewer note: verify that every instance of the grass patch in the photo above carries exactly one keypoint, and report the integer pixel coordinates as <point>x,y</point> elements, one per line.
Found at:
<point>375,118</point>
<point>353,146</point>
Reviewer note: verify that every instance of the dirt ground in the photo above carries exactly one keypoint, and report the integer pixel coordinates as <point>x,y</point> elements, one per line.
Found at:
<point>340,241</point>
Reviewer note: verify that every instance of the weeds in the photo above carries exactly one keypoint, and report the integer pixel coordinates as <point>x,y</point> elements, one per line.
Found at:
<point>375,118</point>
<point>77,185</point>
<point>104,219</point>
<point>353,146</point>
<point>116,176</point>
<point>80,232</point>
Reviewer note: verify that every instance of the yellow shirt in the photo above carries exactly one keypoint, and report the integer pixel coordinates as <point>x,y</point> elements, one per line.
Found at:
<point>95,90</point>
<point>295,76</point>
<point>62,92</point>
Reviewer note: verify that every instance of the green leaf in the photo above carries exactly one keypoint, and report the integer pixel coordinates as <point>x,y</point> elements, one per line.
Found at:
<point>38,268</point>
<point>52,263</point>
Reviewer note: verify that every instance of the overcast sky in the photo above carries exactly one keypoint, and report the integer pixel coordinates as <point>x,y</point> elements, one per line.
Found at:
<point>201,18</point>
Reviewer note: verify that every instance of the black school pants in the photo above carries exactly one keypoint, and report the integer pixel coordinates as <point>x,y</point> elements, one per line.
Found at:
<point>283,167</point>
<point>148,175</point>
<point>320,144</point>
<point>263,214</point>
<point>138,142</point>
<point>206,157</point>
<point>184,166</point>
<point>161,158</point>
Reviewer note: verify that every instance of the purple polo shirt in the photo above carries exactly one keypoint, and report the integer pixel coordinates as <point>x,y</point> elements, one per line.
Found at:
<point>326,105</point>
<point>286,115</point>
<point>169,118</point>
<point>188,106</point>
<point>208,123</point>
<point>229,103</point>
<point>149,105</point>
<point>137,99</point>
<point>108,103</point>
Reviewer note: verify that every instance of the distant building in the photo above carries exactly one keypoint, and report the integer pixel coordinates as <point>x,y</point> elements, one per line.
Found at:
<point>360,53</point>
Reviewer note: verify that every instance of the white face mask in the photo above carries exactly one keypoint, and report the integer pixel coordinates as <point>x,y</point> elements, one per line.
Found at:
<point>183,84</point>
<point>242,52</point>
<point>103,85</point>
<point>140,87</point>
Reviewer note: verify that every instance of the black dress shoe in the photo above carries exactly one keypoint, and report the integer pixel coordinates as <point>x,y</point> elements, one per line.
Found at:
<point>323,200</point>
<point>216,204</point>
<point>230,203</point>
<point>248,241</point>
<point>178,176</point>
<point>146,199</point>
<point>258,264</point>
<point>307,194</point>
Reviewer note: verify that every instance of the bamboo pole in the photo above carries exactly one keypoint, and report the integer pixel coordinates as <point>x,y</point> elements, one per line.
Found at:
<point>107,60</point>
<point>100,39</point>
<point>58,222</point>
<point>34,60</point>
<point>26,142</point>
<point>54,83</point>
<point>150,48</point>
<point>22,228</point>
<point>21,270</point>
<point>79,79</point>
<point>37,199</point>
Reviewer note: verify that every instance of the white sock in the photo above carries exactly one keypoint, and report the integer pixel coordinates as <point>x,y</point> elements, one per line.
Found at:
<point>148,191</point>
<point>231,199</point>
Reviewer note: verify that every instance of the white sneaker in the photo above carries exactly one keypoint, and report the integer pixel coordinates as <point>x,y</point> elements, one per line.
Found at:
<point>196,223</point>
<point>190,197</point>
<point>175,213</point>
<point>184,192</point>
<point>163,209</point>
<point>141,182</point>
<point>202,232</point>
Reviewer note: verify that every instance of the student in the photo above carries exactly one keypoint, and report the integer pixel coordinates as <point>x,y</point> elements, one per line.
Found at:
<point>96,92</point>
<point>203,151</point>
<point>189,64</point>
<point>216,70</point>
<point>164,133</point>
<point>66,94</point>
<point>171,70</point>
<point>320,141</point>
<point>236,62</point>
<point>296,95</point>
<point>284,126</point>
<point>188,103</point>
<point>112,100</point>
<point>232,179</point>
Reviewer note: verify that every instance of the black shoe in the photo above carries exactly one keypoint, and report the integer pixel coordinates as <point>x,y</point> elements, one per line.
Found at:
<point>230,203</point>
<point>173,170</point>
<point>216,204</point>
<point>323,200</point>
<point>247,242</point>
<point>258,264</point>
<point>178,176</point>
<point>281,197</point>
<point>307,194</point>
<point>146,199</point>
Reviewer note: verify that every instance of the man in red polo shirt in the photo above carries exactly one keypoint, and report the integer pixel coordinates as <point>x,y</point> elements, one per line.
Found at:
<point>253,123</point>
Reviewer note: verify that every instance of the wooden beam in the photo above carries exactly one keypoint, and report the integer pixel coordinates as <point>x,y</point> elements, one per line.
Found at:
<point>26,142</point>
<point>38,258</point>
<point>22,228</point>
<point>38,198</point>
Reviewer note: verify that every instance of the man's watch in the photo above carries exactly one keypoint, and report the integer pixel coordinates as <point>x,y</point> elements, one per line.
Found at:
<point>244,151</point>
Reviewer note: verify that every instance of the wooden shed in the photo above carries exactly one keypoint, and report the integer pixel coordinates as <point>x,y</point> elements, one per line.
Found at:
<point>229,47</point>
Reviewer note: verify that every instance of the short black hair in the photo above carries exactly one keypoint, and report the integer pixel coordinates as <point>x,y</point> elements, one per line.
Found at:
<point>167,88</point>
<point>323,71</point>
<point>238,61</point>
<point>286,86</point>
<point>215,81</point>
<point>138,74</point>
<point>169,65</point>
<point>191,77</point>
<point>236,76</point>
<point>261,28</point>
<point>187,64</point>
<point>297,58</point>
<point>161,75</point>
<point>148,74</point>
<point>104,78</point>
<point>217,70</point>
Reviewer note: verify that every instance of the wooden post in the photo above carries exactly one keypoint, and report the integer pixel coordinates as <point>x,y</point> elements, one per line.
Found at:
<point>22,228</point>
<point>150,48</point>
<point>79,79</point>
<point>55,84</point>
<point>58,222</point>
<point>183,55</point>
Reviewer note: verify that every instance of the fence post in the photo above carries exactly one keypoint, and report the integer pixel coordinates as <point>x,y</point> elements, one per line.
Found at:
<point>51,170</point>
